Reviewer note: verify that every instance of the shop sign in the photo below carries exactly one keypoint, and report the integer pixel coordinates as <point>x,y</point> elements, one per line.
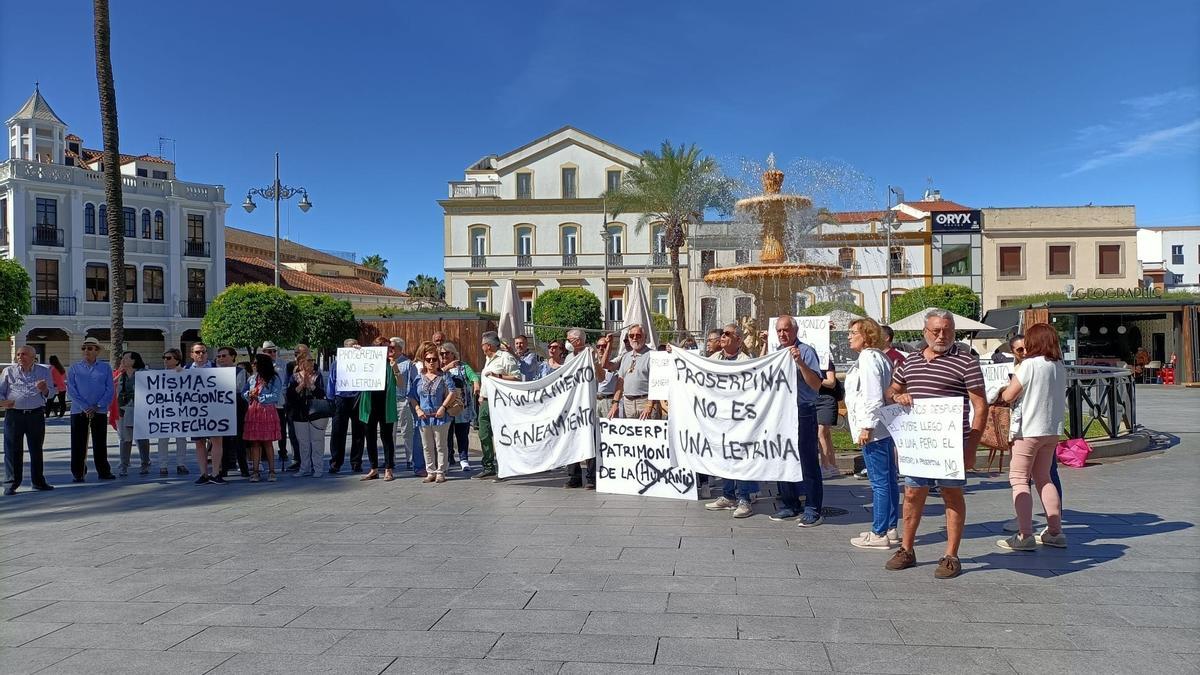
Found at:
<point>956,221</point>
<point>1114,293</point>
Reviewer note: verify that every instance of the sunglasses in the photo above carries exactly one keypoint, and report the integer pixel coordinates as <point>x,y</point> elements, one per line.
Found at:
<point>199,351</point>
<point>635,336</point>
<point>430,359</point>
<point>729,334</point>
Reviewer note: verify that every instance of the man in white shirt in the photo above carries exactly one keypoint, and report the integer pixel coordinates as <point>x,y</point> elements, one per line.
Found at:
<point>501,365</point>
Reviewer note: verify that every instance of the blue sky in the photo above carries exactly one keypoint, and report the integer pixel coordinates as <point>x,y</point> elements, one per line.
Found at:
<point>374,106</point>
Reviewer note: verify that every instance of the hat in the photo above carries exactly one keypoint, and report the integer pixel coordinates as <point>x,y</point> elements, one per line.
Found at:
<point>91,341</point>
<point>267,344</point>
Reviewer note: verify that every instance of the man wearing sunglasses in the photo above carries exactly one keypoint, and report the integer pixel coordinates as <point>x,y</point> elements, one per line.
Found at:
<point>90,385</point>
<point>205,444</point>
<point>633,369</point>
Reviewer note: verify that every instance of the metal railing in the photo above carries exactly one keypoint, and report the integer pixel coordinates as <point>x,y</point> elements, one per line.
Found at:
<point>660,259</point>
<point>615,259</point>
<point>196,248</point>
<point>524,260</point>
<point>570,260</point>
<point>479,262</point>
<point>53,305</point>
<point>193,309</point>
<point>1100,395</point>
<point>47,235</point>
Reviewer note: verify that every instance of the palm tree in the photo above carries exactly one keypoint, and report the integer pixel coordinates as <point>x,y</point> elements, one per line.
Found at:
<point>427,287</point>
<point>674,187</point>
<point>112,179</point>
<point>377,263</point>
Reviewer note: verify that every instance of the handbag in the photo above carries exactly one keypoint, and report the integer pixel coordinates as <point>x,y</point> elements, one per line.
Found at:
<point>1073,452</point>
<point>456,405</point>
<point>319,409</point>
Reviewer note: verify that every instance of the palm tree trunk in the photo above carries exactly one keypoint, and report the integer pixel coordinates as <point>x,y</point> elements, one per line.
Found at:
<point>112,179</point>
<point>677,290</point>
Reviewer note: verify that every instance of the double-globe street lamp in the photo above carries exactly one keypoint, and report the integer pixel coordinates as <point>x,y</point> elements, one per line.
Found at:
<point>276,193</point>
<point>889,223</point>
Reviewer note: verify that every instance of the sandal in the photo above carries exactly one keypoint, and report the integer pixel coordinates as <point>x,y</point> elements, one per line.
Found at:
<point>371,475</point>
<point>271,477</point>
<point>388,476</point>
<point>254,477</point>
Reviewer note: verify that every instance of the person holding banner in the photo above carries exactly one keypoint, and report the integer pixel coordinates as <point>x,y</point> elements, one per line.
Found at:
<point>377,410</point>
<point>203,443</point>
<point>233,448</point>
<point>866,381</point>
<point>131,362</point>
<point>812,485</point>
<point>941,369</point>
<point>501,365</point>
<point>556,357</point>
<point>735,495</point>
<point>606,389</point>
<point>262,422</point>
<point>430,397</point>
<point>345,415</point>
<point>633,367</point>
<point>307,385</point>
<point>90,383</point>
<point>172,360</point>
<point>1036,393</point>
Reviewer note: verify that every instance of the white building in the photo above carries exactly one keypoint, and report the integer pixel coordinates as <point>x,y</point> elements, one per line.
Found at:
<point>1170,257</point>
<point>53,221</point>
<point>535,215</point>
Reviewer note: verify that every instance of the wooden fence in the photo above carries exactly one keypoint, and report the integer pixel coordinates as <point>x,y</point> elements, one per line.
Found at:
<point>465,333</point>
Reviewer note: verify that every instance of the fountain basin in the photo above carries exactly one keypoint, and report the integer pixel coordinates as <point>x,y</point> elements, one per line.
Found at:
<point>774,285</point>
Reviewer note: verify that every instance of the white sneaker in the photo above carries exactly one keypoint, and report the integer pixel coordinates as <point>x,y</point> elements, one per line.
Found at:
<point>893,536</point>
<point>862,475</point>
<point>723,503</point>
<point>743,510</point>
<point>464,465</point>
<point>871,540</point>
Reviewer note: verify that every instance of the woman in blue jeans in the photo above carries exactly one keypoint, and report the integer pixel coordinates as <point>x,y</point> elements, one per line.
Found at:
<point>866,380</point>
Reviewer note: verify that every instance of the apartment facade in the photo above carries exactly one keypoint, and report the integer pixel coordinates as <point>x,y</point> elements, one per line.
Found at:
<point>535,215</point>
<point>1031,250</point>
<point>1170,257</point>
<point>53,220</point>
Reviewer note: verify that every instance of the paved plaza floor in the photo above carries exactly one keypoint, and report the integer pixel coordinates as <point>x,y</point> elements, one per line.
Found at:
<point>333,575</point>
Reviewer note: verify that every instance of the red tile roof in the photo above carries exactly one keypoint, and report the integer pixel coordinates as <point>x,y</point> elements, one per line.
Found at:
<point>845,217</point>
<point>937,206</point>
<point>92,155</point>
<point>73,137</point>
<point>253,268</point>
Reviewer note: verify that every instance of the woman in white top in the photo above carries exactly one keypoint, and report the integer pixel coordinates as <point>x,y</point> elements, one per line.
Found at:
<point>1038,396</point>
<point>866,380</point>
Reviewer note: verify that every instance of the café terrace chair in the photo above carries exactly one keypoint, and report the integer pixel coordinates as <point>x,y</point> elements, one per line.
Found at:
<point>1150,373</point>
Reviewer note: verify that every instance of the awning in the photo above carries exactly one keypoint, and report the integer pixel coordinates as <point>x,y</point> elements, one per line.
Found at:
<point>916,321</point>
<point>1006,322</point>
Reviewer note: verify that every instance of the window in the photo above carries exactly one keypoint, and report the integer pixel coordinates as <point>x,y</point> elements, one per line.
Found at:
<point>1108,257</point>
<point>1177,254</point>
<point>524,186</point>
<point>1011,264</point>
<point>47,212</point>
<point>103,224</point>
<point>89,218</point>
<point>742,307</point>
<point>568,183</point>
<point>741,256</point>
<point>142,173</point>
<point>1176,279</point>
<point>527,306</point>
<point>614,180</point>
<point>129,218</point>
<point>46,281</point>
<point>196,291</point>
<point>96,283</point>
<point>616,306</point>
<point>846,258</point>
<point>708,260</point>
<point>661,300</point>
<point>478,241</point>
<point>195,224</point>
<point>1059,260</point>
<point>158,175</point>
<point>896,260</point>
<point>524,241</point>
<point>131,283</point>
<point>160,228</point>
<point>708,313</point>
<point>956,260</point>
<point>145,223</point>
<point>570,240</point>
<point>152,285</point>
<point>4,220</point>
<point>799,303</point>
<point>616,239</point>
<point>659,238</point>
<point>479,300</point>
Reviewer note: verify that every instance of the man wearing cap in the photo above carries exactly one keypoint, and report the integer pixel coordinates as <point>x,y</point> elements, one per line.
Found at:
<point>25,387</point>
<point>345,414</point>
<point>199,354</point>
<point>90,385</point>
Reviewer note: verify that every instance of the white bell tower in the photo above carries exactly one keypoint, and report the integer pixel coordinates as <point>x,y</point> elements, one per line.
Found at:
<point>35,133</point>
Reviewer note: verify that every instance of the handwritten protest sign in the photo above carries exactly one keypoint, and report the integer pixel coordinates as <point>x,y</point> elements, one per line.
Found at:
<point>361,369</point>
<point>811,330</point>
<point>548,423</point>
<point>928,437</point>
<point>735,419</point>
<point>995,378</point>
<point>195,402</point>
<point>636,459</point>
<point>659,384</point>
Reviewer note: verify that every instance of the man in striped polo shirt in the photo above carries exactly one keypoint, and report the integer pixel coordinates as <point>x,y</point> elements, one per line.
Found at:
<point>941,369</point>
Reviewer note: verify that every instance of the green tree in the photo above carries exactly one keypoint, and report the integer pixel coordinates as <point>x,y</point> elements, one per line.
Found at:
<point>245,315</point>
<point>958,299</point>
<point>673,187</point>
<point>14,296</point>
<point>377,263</point>
<point>823,308</point>
<point>325,322</point>
<point>429,287</point>
<point>112,178</point>
<point>565,308</point>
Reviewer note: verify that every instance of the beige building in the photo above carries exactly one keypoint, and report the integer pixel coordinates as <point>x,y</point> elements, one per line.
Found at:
<point>1048,249</point>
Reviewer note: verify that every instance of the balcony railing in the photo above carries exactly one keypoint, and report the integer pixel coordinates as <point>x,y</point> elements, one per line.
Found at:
<point>900,267</point>
<point>570,260</point>
<point>660,259</point>
<point>473,189</point>
<point>479,262</point>
<point>850,269</point>
<point>615,260</point>
<point>47,235</point>
<point>524,261</point>
<point>192,309</point>
<point>53,305</point>
<point>196,248</point>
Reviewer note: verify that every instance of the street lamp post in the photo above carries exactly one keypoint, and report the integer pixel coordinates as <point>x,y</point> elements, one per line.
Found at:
<point>276,193</point>
<point>604,235</point>
<point>890,223</point>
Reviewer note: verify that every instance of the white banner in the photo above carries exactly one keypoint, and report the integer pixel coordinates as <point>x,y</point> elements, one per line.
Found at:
<point>195,402</point>
<point>658,387</point>
<point>636,459</point>
<point>928,437</point>
<point>547,423</point>
<point>995,378</point>
<point>361,369</point>
<point>811,330</point>
<point>735,419</point>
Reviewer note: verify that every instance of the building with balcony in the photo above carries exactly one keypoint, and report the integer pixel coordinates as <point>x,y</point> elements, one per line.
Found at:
<point>54,221</point>
<point>535,215</point>
<point>1170,257</point>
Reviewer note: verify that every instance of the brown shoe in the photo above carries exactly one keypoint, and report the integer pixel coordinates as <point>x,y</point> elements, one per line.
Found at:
<point>371,475</point>
<point>428,479</point>
<point>902,559</point>
<point>948,568</point>
<point>441,478</point>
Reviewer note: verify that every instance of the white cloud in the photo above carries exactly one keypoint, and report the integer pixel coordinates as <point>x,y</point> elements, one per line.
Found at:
<point>1145,104</point>
<point>1183,136</point>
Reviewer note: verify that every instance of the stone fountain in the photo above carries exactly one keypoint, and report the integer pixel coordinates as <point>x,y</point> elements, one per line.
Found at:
<point>773,281</point>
